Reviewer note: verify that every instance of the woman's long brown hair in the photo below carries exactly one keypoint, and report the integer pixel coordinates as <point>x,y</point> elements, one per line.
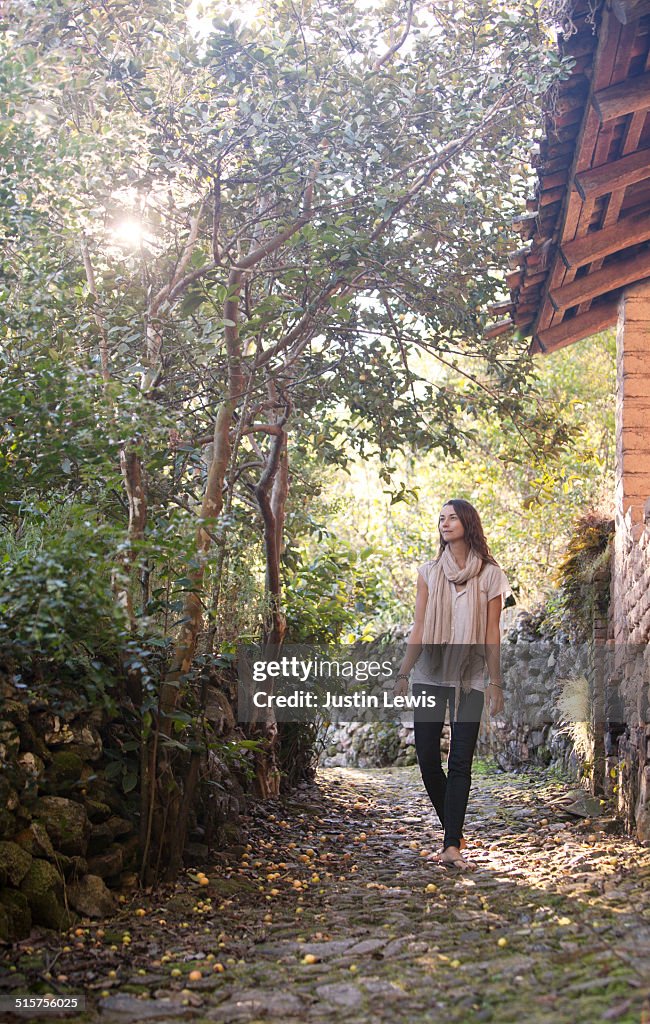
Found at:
<point>473,527</point>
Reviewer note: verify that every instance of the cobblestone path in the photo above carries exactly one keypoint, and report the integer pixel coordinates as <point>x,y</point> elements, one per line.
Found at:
<point>334,909</point>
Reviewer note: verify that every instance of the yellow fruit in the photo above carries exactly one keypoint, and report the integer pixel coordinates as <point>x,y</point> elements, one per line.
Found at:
<point>309,958</point>
<point>140,912</point>
<point>219,968</point>
<point>175,972</point>
<point>204,881</point>
<point>431,887</point>
<point>194,976</point>
<point>502,942</point>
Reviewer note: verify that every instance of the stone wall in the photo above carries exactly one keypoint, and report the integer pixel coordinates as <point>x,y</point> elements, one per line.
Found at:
<point>64,832</point>
<point>627,725</point>
<point>69,805</point>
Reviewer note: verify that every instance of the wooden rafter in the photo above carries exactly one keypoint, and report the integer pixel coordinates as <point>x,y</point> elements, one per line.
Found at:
<point>626,98</point>
<point>616,275</point>
<point>608,178</point>
<point>598,244</point>
<point>629,10</point>
<point>598,318</point>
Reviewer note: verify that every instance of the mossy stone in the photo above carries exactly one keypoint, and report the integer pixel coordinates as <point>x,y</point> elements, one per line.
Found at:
<point>71,867</point>
<point>91,897</point>
<point>8,826</point>
<point>42,887</point>
<point>66,822</point>
<point>104,792</point>
<point>66,766</point>
<point>97,810</point>
<point>9,740</point>
<point>16,905</point>
<point>15,861</point>
<point>101,837</point>
<point>31,764</point>
<point>15,711</point>
<point>5,925</point>
<point>108,864</point>
<point>35,840</point>
<point>231,886</point>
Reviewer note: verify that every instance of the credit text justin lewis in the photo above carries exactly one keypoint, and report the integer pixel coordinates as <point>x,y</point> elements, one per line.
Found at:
<point>305,699</point>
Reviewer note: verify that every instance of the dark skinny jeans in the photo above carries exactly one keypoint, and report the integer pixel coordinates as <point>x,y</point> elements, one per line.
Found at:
<point>448,793</point>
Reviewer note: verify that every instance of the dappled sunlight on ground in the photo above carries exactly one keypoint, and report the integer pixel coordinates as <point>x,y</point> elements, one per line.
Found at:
<point>334,904</point>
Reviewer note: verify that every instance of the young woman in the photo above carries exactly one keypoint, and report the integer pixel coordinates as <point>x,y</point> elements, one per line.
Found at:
<point>455,637</point>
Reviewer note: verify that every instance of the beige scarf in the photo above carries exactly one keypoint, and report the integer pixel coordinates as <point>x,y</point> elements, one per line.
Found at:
<point>438,614</point>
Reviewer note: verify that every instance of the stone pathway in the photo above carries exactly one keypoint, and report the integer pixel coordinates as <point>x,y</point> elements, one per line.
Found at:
<point>334,908</point>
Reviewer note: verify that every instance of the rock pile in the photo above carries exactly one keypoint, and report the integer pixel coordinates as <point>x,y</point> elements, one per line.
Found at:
<point>70,802</point>
<point>66,831</point>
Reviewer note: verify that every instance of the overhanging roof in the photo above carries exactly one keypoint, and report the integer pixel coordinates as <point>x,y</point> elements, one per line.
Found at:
<point>587,229</point>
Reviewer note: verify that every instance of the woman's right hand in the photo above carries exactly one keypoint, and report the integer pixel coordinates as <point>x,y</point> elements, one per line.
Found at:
<point>495,699</point>
<point>400,686</point>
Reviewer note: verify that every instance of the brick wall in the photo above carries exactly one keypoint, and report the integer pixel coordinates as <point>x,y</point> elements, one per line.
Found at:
<point>627,709</point>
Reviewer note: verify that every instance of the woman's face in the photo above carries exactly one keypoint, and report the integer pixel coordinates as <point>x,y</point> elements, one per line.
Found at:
<point>450,525</point>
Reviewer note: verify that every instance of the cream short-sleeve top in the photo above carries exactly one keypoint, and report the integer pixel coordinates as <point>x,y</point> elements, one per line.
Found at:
<point>492,581</point>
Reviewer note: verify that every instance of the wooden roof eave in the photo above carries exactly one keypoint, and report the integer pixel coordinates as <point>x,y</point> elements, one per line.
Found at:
<point>583,247</point>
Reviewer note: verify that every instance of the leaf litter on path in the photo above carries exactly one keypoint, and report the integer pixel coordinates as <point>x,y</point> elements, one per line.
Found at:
<point>333,903</point>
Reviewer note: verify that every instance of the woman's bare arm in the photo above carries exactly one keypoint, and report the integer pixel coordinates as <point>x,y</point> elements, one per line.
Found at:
<point>414,642</point>
<point>493,653</point>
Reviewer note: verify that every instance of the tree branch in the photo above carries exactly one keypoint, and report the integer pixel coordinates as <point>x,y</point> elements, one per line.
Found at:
<point>400,42</point>
<point>97,316</point>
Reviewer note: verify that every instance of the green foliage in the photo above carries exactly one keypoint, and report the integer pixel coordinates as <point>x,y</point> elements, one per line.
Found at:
<point>297,754</point>
<point>336,594</point>
<point>529,474</point>
<point>55,593</point>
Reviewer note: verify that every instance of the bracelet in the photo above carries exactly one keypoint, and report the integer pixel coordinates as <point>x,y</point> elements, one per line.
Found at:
<point>402,675</point>
<point>498,685</point>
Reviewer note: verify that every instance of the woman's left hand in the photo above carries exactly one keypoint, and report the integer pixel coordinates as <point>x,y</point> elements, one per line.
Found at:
<point>495,699</point>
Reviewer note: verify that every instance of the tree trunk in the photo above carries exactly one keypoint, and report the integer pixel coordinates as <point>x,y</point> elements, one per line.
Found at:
<point>271,493</point>
<point>166,796</point>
